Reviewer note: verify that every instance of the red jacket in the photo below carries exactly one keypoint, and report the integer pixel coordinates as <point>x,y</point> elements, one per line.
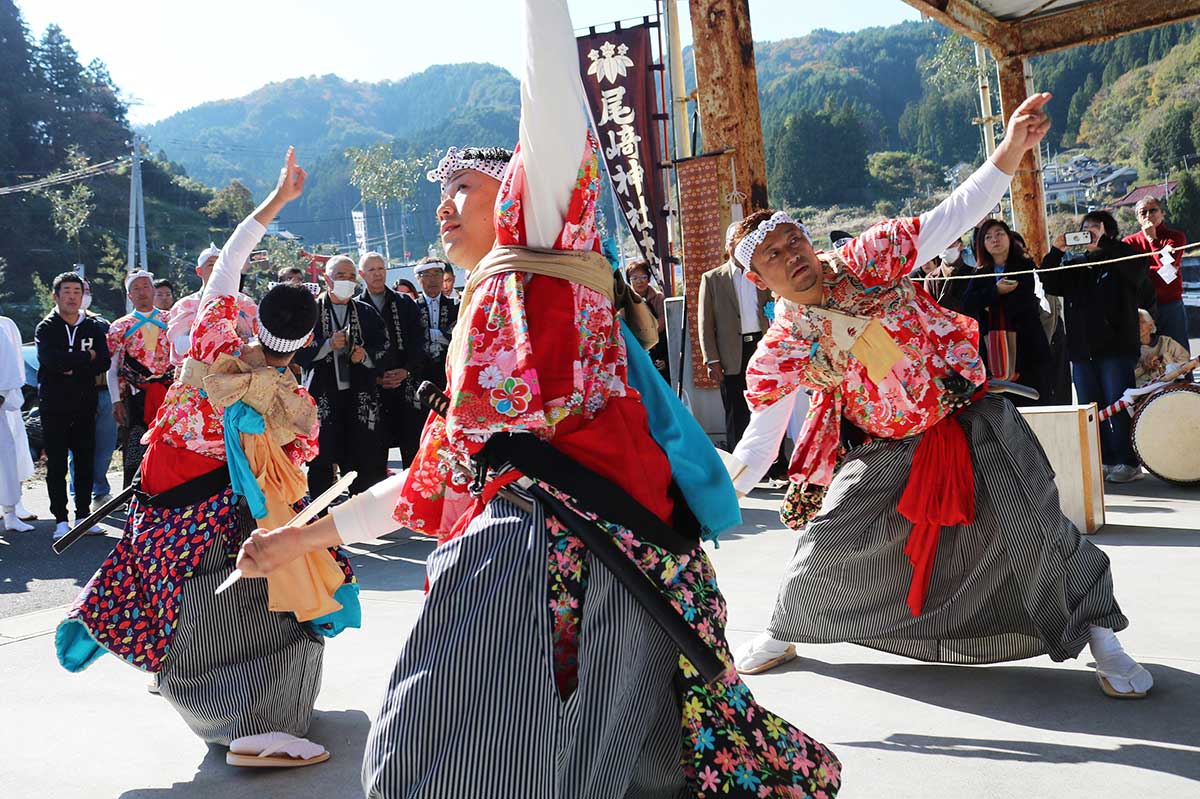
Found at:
<point>1167,292</point>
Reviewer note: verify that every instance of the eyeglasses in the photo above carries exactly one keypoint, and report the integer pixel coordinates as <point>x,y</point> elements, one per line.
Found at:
<point>1149,211</point>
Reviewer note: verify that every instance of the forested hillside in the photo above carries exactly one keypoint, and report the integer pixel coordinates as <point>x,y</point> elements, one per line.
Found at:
<point>57,114</point>
<point>873,119</point>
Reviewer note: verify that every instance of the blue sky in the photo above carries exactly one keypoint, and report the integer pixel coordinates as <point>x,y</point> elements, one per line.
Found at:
<point>169,55</point>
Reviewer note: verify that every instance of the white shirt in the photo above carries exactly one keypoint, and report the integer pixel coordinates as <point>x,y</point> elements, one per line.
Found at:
<point>435,310</point>
<point>747,302</point>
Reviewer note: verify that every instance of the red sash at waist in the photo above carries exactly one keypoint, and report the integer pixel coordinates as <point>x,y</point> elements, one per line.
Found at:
<point>940,493</point>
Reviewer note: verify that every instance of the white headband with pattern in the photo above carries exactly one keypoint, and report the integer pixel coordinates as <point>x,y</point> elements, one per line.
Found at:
<point>280,345</point>
<point>746,247</point>
<point>453,162</point>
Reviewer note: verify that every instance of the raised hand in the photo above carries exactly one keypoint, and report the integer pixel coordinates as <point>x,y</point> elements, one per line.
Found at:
<point>291,178</point>
<point>1029,124</point>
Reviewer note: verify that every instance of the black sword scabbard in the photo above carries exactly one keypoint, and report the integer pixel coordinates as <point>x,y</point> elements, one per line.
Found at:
<point>644,591</point>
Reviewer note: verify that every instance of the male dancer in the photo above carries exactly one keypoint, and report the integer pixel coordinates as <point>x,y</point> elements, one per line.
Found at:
<point>941,538</point>
<point>229,440</point>
<point>141,368</point>
<point>584,694</point>
<point>183,313</point>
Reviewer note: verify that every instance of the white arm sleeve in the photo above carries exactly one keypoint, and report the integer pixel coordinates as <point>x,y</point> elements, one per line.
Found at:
<point>967,204</point>
<point>114,386</point>
<point>759,446</point>
<point>369,514</point>
<point>554,119</point>
<point>227,274</point>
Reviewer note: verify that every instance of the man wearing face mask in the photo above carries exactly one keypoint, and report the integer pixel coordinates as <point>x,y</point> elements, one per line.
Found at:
<point>341,366</point>
<point>948,293</point>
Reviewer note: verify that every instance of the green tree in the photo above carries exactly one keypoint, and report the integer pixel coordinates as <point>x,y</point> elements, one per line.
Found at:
<point>900,175</point>
<point>230,205</point>
<point>1166,145</point>
<point>952,67</point>
<point>71,206</point>
<point>21,94</point>
<point>1183,207</point>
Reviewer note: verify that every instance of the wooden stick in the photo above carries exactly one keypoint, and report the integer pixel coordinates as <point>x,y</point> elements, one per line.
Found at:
<point>302,518</point>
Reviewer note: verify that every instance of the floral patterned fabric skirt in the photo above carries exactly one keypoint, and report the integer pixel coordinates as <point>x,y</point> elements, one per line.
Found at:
<point>530,653</point>
<point>228,666</point>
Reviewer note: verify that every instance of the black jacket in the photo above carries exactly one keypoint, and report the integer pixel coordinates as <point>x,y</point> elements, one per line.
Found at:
<point>1021,313</point>
<point>405,335</point>
<point>66,373</point>
<point>1100,302</point>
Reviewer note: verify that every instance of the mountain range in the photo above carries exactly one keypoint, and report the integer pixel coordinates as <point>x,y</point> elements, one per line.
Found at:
<point>900,86</point>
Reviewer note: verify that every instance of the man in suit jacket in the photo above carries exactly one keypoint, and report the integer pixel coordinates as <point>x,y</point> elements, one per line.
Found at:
<point>439,314</point>
<point>732,320</point>
<point>400,369</point>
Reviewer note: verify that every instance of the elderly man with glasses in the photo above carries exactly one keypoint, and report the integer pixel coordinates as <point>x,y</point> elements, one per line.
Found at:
<point>1171,315</point>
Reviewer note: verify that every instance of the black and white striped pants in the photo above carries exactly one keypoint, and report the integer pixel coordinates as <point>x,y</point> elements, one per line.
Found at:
<point>472,710</point>
<point>234,667</point>
<point>1016,583</point>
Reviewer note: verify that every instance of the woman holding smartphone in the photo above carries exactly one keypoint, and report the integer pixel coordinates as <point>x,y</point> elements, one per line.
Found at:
<point>1011,337</point>
<point>1103,341</point>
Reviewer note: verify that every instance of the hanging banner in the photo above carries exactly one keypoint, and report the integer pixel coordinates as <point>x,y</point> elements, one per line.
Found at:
<point>621,90</point>
<point>360,231</point>
<point>703,241</point>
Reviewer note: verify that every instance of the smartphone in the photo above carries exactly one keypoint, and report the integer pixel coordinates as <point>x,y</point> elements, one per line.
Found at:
<point>1079,237</point>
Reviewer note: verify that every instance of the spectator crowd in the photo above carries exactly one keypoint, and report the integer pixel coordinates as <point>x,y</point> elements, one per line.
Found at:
<point>1083,334</point>
<point>100,383</point>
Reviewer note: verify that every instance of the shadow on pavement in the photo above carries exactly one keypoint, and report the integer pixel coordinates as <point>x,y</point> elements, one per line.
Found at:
<point>1065,700</point>
<point>1181,762</point>
<point>1124,535</point>
<point>342,732</point>
<point>25,557</point>
<point>396,565</point>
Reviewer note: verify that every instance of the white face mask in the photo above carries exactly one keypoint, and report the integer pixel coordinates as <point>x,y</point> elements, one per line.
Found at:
<point>344,289</point>
<point>950,255</point>
<point>86,302</point>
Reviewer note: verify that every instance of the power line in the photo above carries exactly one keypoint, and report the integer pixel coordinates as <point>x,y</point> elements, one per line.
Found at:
<point>63,178</point>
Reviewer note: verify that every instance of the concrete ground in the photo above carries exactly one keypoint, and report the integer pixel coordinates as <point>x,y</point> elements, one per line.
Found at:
<point>902,729</point>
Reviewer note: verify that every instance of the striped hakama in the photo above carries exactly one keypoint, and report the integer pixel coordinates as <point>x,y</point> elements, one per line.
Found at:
<point>234,667</point>
<point>1017,582</point>
<point>227,664</point>
<point>472,709</point>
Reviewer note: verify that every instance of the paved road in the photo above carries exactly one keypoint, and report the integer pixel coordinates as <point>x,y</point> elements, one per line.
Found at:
<point>902,729</point>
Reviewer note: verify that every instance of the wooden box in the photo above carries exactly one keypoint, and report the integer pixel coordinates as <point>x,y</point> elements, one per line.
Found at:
<point>1070,435</point>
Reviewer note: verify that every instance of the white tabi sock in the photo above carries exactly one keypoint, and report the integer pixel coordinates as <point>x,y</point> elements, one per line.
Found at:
<point>1124,673</point>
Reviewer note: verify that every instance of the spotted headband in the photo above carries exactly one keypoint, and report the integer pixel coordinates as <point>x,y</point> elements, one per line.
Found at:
<point>453,162</point>
<point>746,247</point>
<point>280,345</point>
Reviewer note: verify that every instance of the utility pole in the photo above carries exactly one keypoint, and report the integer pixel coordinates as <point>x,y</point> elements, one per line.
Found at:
<point>387,250</point>
<point>137,212</point>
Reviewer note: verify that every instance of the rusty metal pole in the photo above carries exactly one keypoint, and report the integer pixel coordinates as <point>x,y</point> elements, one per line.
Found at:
<point>1028,193</point>
<point>727,91</point>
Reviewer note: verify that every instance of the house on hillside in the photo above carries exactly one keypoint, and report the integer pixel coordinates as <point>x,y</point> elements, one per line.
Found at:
<point>1117,182</point>
<point>1159,191</point>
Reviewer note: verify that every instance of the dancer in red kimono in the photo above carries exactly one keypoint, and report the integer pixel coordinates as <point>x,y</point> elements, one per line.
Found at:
<point>938,535</point>
<point>242,668</point>
<point>544,676</point>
